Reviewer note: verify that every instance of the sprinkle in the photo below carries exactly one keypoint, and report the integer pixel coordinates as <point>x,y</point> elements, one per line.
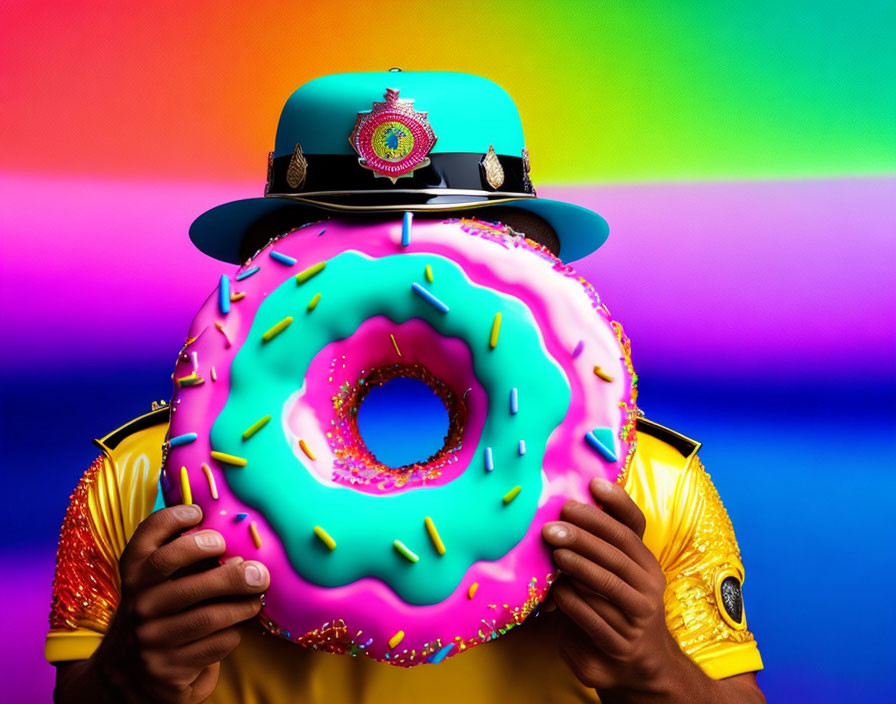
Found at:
<point>514,401</point>
<point>321,233</point>
<point>489,460</point>
<point>406,228</point>
<point>496,328</point>
<point>210,478</point>
<point>312,304</point>
<point>224,458</point>
<point>186,494</point>
<point>512,494</point>
<point>255,427</point>
<point>427,272</point>
<point>396,639</point>
<point>313,270</point>
<point>325,537</point>
<point>277,329</point>
<point>439,656</point>
<point>578,350</point>
<point>434,535</point>
<point>224,295</point>
<point>184,439</point>
<point>220,326</point>
<point>191,380</point>
<point>214,373</point>
<point>253,531</point>
<point>405,552</point>
<point>522,449</point>
<point>601,439</point>
<point>598,372</point>
<point>395,344</point>
<point>429,298</point>
<point>282,258</point>
<point>471,592</point>
<point>240,517</point>
<point>307,450</point>
<point>247,273</point>
<point>237,296</point>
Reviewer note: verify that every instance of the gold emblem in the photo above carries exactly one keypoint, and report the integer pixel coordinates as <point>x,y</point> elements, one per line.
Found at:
<point>491,166</point>
<point>298,168</point>
<point>527,182</point>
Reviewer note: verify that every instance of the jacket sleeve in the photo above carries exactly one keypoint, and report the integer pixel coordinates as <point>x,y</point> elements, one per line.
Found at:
<point>704,577</point>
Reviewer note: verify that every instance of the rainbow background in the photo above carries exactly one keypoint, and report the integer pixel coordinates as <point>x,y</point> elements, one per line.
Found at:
<point>744,155</point>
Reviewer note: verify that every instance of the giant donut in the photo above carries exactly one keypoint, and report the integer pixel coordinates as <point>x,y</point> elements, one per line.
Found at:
<point>416,563</point>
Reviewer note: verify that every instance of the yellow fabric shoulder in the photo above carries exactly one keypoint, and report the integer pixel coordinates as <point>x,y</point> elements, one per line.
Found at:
<point>687,530</point>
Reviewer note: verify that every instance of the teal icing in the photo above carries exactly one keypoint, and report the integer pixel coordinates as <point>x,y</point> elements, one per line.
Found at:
<point>469,511</point>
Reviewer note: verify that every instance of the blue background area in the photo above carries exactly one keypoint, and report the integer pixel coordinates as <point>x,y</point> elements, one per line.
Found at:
<point>804,470</point>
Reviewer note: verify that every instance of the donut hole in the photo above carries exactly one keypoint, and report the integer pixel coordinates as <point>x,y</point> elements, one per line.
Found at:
<point>403,422</point>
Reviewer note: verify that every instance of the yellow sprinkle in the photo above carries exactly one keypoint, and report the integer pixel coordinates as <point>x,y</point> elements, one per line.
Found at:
<point>434,535</point>
<point>496,328</point>
<point>471,592</point>
<point>307,450</point>
<point>185,486</point>
<point>396,639</point>
<point>277,329</point>
<point>313,303</point>
<point>395,344</point>
<point>253,531</point>
<point>238,296</point>
<point>212,487</point>
<point>325,537</point>
<point>255,427</point>
<point>214,374</point>
<point>512,494</point>
<point>229,459</point>
<point>191,380</point>
<point>428,273</point>
<point>303,276</point>
<point>598,372</point>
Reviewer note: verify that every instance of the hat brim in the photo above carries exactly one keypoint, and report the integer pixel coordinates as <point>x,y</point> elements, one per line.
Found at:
<point>219,232</point>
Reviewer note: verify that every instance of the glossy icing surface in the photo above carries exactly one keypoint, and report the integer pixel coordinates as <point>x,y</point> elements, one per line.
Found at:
<point>553,332</point>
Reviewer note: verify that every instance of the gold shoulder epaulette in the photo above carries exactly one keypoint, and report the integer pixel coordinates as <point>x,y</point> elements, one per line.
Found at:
<point>685,445</point>
<point>159,414</point>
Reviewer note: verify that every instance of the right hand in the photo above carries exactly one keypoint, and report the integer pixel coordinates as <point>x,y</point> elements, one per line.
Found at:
<point>172,628</point>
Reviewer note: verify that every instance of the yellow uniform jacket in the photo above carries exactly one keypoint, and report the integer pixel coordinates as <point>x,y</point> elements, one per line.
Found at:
<point>688,530</point>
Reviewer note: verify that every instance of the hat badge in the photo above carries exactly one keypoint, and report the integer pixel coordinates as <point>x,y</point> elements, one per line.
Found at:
<point>392,139</point>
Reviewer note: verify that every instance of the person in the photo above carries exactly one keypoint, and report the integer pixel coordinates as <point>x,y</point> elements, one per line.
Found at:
<point>649,606</point>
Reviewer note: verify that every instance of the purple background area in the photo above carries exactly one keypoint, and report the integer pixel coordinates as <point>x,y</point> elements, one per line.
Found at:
<point>762,320</point>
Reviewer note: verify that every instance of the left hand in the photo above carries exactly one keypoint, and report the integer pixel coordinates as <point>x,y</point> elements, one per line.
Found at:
<point>612,593</point>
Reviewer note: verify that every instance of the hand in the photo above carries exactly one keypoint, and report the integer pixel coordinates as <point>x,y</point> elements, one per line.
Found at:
<point>612,593</point>
<point>173,628</point>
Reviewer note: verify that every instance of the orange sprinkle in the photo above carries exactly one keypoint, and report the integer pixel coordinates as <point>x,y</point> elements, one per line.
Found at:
<point>395,344</point>
<point>601,374</point>
<point>471,592</point>
<point>212,487</point>
<point>238,296</point>
<point>307,450</point>
<point>253,531</point>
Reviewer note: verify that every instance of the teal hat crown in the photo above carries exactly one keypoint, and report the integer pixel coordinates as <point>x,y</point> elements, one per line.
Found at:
<point>396,141</point>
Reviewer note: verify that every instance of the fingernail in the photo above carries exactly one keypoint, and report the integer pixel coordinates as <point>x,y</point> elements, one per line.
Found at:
<point>188,512</point>
<point>231,560</point>
<point>602,485</point>
<point>255,574</point>
<point>557,531</point>
<point>209,541</point>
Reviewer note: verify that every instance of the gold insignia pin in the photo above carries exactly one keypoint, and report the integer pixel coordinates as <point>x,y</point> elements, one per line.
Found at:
<point>494,172</point>
<point>298,168</point>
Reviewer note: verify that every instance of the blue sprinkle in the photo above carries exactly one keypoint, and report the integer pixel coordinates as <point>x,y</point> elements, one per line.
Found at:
<point>224,295</point>
<point>439,656</point>
<point>601,439</point>
<point>282,258</point>
<point>321,232</point>
<point>522,447</point>
<point>247,273</point>
<point>489,460</point>
<point>184,439</point>
<point>240,517</point>
<point>406,228</point>
<point>429,298</point>
<point>514,401</point>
